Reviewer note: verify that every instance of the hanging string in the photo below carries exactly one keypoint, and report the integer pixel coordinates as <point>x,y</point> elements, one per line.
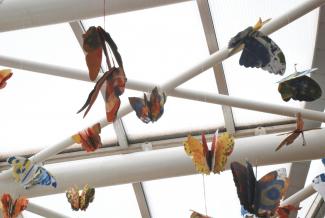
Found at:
<point>205,199</point>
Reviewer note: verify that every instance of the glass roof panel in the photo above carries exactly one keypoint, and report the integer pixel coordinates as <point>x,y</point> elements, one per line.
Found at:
<point>113,201</point>
<point>296,40</point>
<point>43,111</point>
<point>188,193</point>
<point>53,44</point>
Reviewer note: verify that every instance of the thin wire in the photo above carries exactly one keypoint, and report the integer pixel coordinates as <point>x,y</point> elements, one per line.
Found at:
<point>205,199</point>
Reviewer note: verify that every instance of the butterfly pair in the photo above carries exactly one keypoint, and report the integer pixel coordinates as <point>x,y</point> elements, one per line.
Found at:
<point>149,110</point>
<point>213,160</point>
<point>10,208</point>
<point>95,40</point>
<point>261,197</point>
<point>89,138</point>
<point>4,76</point>
<point>80,201</point>
<point>300,87</point>
<point>259,50</point>
<point>30,174</point>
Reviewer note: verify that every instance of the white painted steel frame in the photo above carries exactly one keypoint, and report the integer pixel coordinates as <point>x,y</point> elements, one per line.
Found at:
<point>43,211</point>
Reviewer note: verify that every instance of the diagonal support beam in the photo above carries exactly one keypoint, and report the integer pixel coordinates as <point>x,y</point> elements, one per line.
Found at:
<point>219,74</point>
<point>142,201</point>
<point>43,211</point>
<point>217,57</point>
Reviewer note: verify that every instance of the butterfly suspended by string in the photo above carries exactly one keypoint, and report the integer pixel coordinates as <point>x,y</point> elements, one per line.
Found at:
<point>80,200</point>
<point>261,197</point>
<point>12,208</point>
<point>4,76</point>
<point>149,110</point>
<point>195,214</point>
<point>95,41</point>
<point>299,86</point>
<point>29,174</point>
<point>259,50</point>
<point>213,160</point>
<point>284,212</point>
<point>89,138</point>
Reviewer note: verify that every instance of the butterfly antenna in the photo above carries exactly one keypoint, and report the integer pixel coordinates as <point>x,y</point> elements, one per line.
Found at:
<point>303,139</point>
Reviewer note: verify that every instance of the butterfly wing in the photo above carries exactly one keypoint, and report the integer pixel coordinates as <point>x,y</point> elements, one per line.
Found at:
<point>140,106</point>
<point>89,138</point>
<point>4,76</point>
<point>93,47</point>
<point>271,189</point>
<point>243,182</point>
<point>72,195</point>
<point>21,168</point>
<point>240,38</point>
<point>297,74</point>
<point>284,212</point>
<point>87,196</point>
<point>225,146</point>
<point>195,149</point>
<point>319,184</point>
<point>7,205</point>
<point>261,52</point>
<point>156,104</point>
<point>43,177</point>
<point>198,215</point>
<point>20,205</point>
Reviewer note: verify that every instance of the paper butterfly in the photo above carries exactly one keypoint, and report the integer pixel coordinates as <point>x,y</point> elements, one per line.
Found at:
<point>80,201</point>
<point>299,87</point>
<point>319,184</point>
<point>29,174</point>
<point>89,138</point>
<point>95,40</point>
<point>261,197</point>
<point>149,110</point>
<point>198,215</point>
<point>10,208</point>
<point>213,160</point>
<point>259,50</point>
<point>4,76</point>
<point>284,212</point>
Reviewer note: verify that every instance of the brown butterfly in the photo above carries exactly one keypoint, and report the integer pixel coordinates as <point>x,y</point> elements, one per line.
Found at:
<point>12,209</point>
<point>80,201</point>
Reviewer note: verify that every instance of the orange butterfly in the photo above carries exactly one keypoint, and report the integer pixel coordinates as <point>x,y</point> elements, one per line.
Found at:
<point>12,209</point>
<point>213,160</point>
<point>89,138</point>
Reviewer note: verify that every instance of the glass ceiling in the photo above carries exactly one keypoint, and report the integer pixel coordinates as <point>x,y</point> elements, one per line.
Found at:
<point>157,45</point>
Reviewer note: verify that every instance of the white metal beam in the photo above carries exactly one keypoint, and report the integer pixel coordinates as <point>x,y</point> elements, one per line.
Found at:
<point>43,211</point>
<point>17,14</point>
<point>212,42</point>
<point>164,163</point>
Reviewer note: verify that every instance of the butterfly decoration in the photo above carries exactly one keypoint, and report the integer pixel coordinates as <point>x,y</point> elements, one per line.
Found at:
<point>4,76</point>
<point>259,50</point>
<point>195,214</point>
<point>10,208</point>
<point>295,133</point>
<point>30,174</point>
<point>213,160</point>
<point>319,184</point>
<point>299,87</point>
<point>284,212</point>
<point>80,201</point>
<point>261,197</point>
<point>149,110</point>
<point>89,138</point>
<point>95,40</point>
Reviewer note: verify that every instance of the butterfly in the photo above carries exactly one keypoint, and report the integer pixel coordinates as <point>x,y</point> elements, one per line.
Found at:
<point>300,87</point>
<point>30,174</point>
<point>319,184</point>
<point>89,138</point>
<point>213,160</point>
<point>284,212</point>
<point>95,40</point>
<point>261,197</point>
<point>150,110</point>
<point>259,50</point>
<point>10,208</point>
<point>198,215</point>
<point>80,201</point>
<point>4,76</point>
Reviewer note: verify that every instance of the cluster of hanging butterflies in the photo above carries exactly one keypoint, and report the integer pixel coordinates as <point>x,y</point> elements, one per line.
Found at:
<point>262,197</point>
<point>80,199</point>
<point>89,138</point>
<point>29,174</point>
<point>212,160</point>
<point>12,208</point>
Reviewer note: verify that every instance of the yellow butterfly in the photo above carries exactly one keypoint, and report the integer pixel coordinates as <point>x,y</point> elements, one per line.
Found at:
<point>213,160</point>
